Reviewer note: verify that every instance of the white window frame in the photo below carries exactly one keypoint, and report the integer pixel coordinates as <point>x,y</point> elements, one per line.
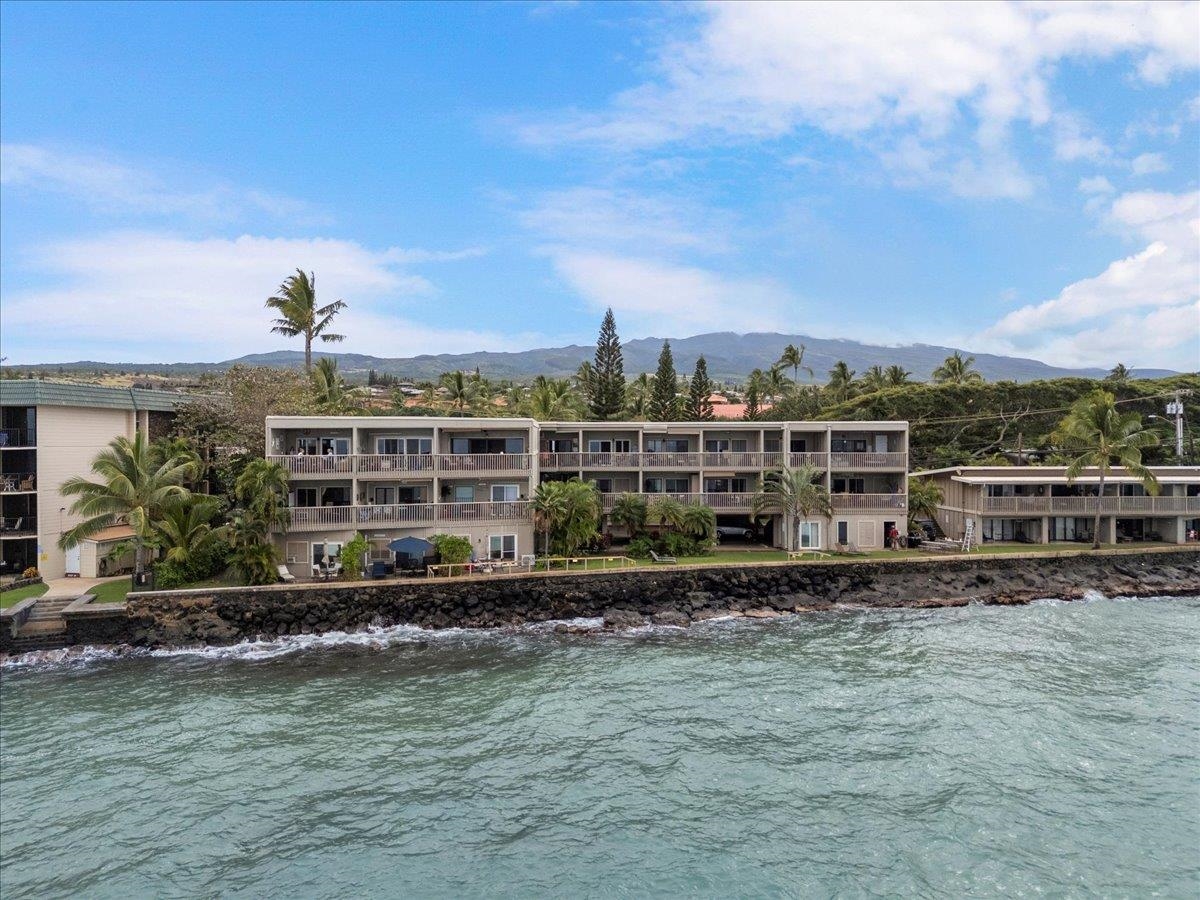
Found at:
<point>503,553</point>
<point>333,557</point>
<point>295,551</point>
<point>389,492</point>
<point>810,535</point>
<point>462,487</point>
<point>843,531</point>
<point>306,490</point>
<point>514,489</point>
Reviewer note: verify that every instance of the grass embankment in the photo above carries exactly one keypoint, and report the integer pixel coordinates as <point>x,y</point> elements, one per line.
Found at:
<point>721,557</point>
<point>16,595</point>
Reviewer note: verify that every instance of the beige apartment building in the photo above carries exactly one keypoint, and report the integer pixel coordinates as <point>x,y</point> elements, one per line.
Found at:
<point>1040,505</point>
<point>50,432</point>
<point>390,477</point>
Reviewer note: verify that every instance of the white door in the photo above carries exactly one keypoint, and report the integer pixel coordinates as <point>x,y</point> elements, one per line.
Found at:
<point>73,559</point>
<point>881,443</point>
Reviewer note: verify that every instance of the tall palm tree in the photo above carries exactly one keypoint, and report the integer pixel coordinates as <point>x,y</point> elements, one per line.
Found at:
<point>296,303</point>
<point>957,369</point>
<point>797,493</point>
<point>135,482</point>
<point>549,509</point>
<point>1099,435</point>
<point>253,553</point>
<point>793,356</point>
<point>896,376</point>
<point>1119,374</point>
<point>567,512</point>
<point>924,498</point>
<point>637,396</point>
<point>186,527</point>
<point>775,384</point>
<point>261,490</point>
<point>841,382</point>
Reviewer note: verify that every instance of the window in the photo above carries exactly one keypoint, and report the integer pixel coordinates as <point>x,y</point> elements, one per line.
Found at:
<point>487,445</point>
<point>309,445</point>
<point>677,485</point>
<point>715,446</point>
<point>406,494</point>
<point>726,485</point>
<point>666,445</point>
<point>738,445</point>
<point>772,445</point>
<point>653,486</point>
<point>413,446</point>
<point>621,447</point>
<point>464,493</point>
<point>799,445</point>
<point>849,445</point>
<point>335,496</point>
<point>335,446</point>
<point>503,493</point>
<point>599,446</point>
<point>843,532</point>
<point>561,445</point>
<point>320,551</point>
<point>296,551</point>
<point>849,486</point>
<point>604,485</point>
<point>810,535</point>
<point>502,546</point>
<point>306,497</point>
<point>385,496</point>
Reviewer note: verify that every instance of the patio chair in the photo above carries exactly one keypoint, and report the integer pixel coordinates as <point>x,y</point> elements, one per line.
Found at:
<point>284,573</point>
<point>662,559</point>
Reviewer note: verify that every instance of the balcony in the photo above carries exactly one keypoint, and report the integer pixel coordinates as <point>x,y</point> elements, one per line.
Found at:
<point>17,437</point>
<point>721,502</point>
<point>18,527</point>
<point>869,502</point>
<point>406,515</point>
<point>855,462</point>
<point>404,464</point>
<point>1081,505</point>
<point>18,483</point>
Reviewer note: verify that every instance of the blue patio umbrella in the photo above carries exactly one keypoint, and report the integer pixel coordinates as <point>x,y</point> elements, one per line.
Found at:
<point>410,546</point>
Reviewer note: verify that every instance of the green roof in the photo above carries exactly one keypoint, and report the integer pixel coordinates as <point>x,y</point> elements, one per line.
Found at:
<point>30,392</point>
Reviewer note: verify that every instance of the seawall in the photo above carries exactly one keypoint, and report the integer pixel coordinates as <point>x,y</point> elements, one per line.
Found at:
<point>667,595</point>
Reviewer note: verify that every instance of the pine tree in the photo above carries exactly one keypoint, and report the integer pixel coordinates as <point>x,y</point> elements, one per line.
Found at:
<point>606,397</point>
<point>699,407</point>
<point>664,402</point>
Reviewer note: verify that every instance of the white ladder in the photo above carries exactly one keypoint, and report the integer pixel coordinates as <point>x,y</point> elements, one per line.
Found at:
<point>969,536</point>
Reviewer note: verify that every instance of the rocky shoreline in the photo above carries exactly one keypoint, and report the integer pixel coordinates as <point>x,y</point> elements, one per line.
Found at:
<point>671,596</point>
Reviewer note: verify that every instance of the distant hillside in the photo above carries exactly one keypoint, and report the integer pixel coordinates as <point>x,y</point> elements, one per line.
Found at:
<point>729,356</point>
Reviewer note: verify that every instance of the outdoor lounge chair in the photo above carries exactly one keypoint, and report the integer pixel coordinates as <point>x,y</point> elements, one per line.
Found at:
<point>662,559</point>
<point>284,574</point>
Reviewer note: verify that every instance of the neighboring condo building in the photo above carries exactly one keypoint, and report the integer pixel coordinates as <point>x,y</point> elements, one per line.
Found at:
<point>390,477</point>
<point>50,432</point>
<point>1040,505</point>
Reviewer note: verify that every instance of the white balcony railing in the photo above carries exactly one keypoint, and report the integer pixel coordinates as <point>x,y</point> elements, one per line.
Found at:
<point>869,502</point>
<point>308,518</point>
<point>316,465</point>
<point>404,464</point>
<point>854,462</point>
<point>1082,505</point>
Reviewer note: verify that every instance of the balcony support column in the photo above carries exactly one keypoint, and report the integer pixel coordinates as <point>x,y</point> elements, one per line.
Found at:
<point>1045,529</point>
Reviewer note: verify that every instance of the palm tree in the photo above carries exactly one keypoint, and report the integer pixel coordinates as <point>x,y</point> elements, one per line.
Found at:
<point>896,376</point>
<point>329,390</point>
<point>700,522</point>
<point>567,512</point>
<point>924,498</point>
<point>637,396</point>
<point>797,493</point>
<point>874,379</point>
<point>296,303</point>
<point>549,509</point>
<point>775,384</point>
<point>1119,374</point>
<point>794,357</point>
<point>629,512</point>
<point>135,483</point>
<point>461,392</point>
<point>186,527</point>
<point>253,553</point>
<point>957,369</point>
<point>1099,434</point>
<point>841,382</point>
<point>666,512</point>
<point>261,491</point>
<point>552,399</point>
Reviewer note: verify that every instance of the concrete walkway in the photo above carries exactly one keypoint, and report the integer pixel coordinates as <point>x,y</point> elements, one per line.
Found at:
<point>73,588</point>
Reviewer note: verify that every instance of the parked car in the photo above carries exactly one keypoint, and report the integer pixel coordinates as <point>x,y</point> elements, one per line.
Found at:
<point>738,531</point>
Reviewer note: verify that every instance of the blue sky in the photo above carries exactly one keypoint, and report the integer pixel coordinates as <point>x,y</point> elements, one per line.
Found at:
<point>1008,178</point>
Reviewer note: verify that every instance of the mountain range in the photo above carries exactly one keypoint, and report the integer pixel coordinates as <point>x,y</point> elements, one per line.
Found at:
<point>730,357</point>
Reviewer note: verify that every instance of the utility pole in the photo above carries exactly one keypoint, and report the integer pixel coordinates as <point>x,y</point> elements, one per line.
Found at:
<point>1175,409</point>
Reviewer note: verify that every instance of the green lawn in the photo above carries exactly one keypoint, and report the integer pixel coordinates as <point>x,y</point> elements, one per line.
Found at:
<point>112,591</point>
<point>15,596</point>
<point>753,556</point>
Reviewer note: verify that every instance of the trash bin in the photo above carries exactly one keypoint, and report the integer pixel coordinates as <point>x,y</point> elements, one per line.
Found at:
<point>144,581</point>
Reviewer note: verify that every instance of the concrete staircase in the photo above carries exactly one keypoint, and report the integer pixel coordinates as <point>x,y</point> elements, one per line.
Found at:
<point>45,629</point>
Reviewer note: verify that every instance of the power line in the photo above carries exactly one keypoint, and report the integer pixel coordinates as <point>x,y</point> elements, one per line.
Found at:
<point>1030,412</point>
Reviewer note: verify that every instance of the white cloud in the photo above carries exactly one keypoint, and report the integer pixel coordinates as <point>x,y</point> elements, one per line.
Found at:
<point>139,296</point>
<point>111,186</point>
<point>651,297</point>
<point>1142,309</point>
<point>885,72</point>
<point>1149,164</point>
<point>1097,185</point>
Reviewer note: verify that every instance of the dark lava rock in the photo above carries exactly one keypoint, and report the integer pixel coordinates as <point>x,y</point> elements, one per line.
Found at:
<point>622,618</point>
<point>671,617</point>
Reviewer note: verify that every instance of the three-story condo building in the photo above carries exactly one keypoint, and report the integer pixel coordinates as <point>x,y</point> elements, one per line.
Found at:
<point>390,477</point>
<point>1040,505</point>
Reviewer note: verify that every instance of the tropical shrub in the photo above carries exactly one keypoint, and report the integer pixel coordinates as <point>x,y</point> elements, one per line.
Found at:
<point>208,562</point>
<point>353,553</point>
<point>451,548</point>
<point>31,572</point>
